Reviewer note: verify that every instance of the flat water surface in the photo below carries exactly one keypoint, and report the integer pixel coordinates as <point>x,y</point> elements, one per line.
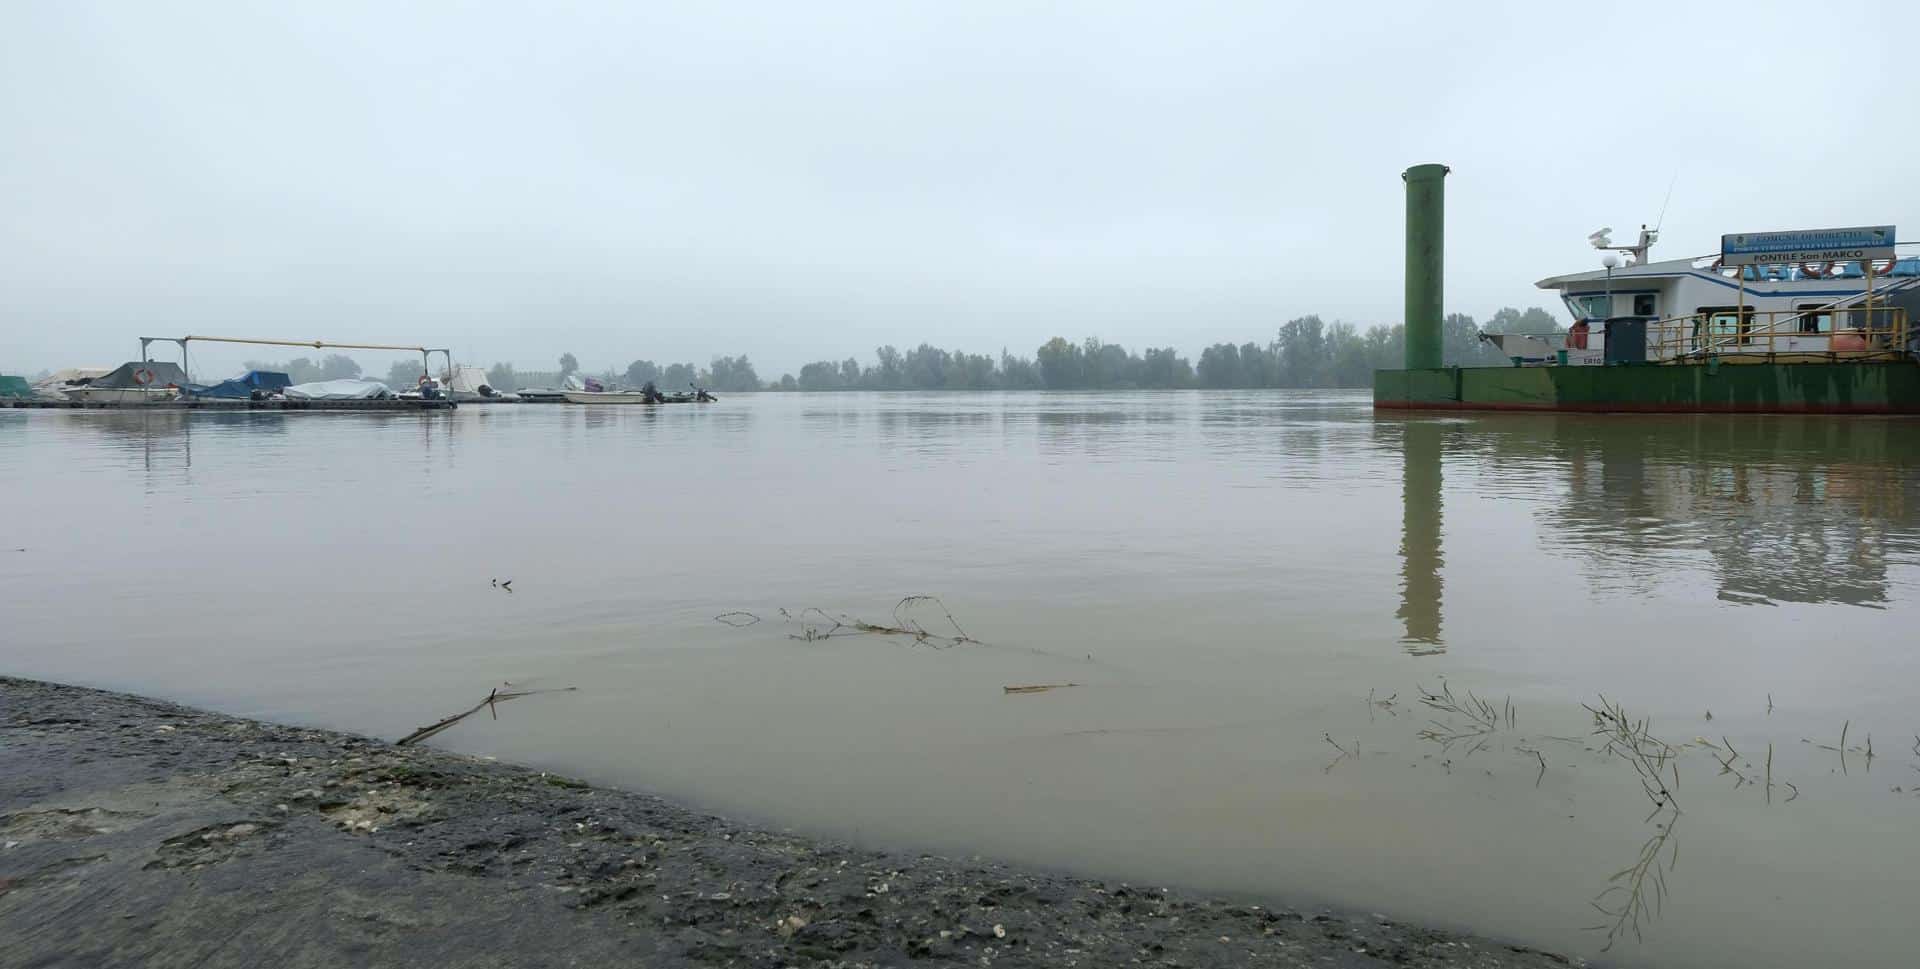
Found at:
<point>1249,592</point>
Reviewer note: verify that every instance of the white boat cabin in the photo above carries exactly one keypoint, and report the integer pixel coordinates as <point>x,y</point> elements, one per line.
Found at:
<point>1694,310</point>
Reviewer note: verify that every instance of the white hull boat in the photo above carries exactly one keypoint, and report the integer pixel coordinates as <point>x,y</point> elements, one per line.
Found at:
<point>605,397</point>
<point>122,395</point>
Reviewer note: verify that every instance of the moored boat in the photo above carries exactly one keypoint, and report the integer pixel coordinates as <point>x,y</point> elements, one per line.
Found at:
<point>1794,322</point>
<point>133,382</point>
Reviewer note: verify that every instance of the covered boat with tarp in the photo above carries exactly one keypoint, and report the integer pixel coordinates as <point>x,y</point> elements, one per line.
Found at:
<point>55,385</point>
<point>134,382</point>
<point>262,383</point>
<point>339,390</point>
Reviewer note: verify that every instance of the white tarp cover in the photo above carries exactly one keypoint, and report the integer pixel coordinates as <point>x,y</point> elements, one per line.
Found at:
<point>339,390</point>
<point>54,385</point>
<point>465,380</point>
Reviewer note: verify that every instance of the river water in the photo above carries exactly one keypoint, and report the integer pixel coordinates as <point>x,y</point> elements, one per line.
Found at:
<point>1249,591</point>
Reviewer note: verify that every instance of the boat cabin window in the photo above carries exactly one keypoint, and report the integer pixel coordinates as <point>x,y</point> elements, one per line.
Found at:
<point>1592,306</point>
<point>1643,304</point>
<point>1722,324</point>
<point>1815,318</point>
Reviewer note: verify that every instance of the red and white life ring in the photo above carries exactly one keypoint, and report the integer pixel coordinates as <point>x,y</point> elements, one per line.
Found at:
<point>143,376</point>
<point>1815,270</point>
<point>1880,267</point>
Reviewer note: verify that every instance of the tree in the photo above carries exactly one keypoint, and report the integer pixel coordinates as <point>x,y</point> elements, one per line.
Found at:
<point>677,375</point>
<point>734,374</point>
<point>1062,366</point>
<point>338,366</point>
<point>403,374</point>
<point>300,370</point>
<point>1303,356</point>
<point>568,365</point>
<point>890,374</point>
<point>501,377</point>
<point>826,375</point>
<point>1461,346</point>
<point>641,371</point>
<point>787,382</point>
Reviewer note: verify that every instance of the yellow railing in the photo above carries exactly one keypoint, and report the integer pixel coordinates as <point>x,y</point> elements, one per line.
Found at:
<point>1833,333</point>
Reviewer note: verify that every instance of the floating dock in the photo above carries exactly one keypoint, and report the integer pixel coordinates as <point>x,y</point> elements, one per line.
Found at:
<point>228,406</point>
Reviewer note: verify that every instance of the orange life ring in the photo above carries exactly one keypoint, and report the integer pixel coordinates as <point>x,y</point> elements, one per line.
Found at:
<point>1873,264</point>
<point>1815,270</point>
<point>143,376</point>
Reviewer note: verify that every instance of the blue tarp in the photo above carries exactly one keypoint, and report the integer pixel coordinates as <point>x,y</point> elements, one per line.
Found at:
<point>243,387</point>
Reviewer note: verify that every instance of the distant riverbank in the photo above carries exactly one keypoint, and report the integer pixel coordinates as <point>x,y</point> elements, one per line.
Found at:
<point>141,833</point>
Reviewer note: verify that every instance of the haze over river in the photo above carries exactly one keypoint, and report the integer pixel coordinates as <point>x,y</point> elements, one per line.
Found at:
<point>1226,577</point>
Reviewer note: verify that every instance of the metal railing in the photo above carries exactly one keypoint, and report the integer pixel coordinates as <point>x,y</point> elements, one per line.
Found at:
<point>1841,333</point>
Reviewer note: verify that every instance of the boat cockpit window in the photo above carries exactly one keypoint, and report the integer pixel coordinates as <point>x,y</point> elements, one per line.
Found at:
<point>1643,304</point>
<point>1815,318</point>
<point>1590,307</point>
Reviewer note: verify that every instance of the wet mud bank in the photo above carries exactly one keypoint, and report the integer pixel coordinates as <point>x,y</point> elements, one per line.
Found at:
<point>140,833</point>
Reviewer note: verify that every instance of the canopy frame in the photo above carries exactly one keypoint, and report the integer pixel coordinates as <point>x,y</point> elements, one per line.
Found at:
<point>426,353</point>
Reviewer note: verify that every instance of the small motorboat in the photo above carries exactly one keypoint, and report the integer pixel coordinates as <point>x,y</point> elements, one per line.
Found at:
<point>648,394</point>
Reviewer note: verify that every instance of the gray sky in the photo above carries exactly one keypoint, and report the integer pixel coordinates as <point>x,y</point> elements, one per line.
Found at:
<point>802,181</point>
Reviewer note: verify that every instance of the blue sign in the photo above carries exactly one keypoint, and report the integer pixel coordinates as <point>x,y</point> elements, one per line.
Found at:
<point>1810,245</point>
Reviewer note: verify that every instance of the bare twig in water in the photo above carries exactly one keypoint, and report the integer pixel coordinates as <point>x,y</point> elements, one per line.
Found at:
<point>494,697</point>
<point>1796,791</point>
<point>1037,687</point>
<point>1633,741</point>
<point>737,618</point>
<point>1769,704</point>
<point>1769,773</point>
<point>1539,757</point>
<point>1843,745</point>
<point>1344,752</point>
<point>1386,704</point>
<point>1468,719</point>
<point>817,624</point>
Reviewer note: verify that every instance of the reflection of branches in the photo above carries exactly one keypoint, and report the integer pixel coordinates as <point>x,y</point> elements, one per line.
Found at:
<point>1470,720</point>
<point>816,624</point>
<point>1344,753</point>
<point>1637,893</point>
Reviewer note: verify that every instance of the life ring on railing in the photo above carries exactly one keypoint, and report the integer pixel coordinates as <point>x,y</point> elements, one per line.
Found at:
<point>1815,270</point>
<point>143,376</point>
<point>1873,265</point>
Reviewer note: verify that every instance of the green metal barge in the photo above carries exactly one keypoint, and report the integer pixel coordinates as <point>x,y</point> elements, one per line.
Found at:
<point>1771,325</point>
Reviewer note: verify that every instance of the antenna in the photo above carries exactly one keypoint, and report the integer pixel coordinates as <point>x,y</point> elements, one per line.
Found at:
<point>1601,239</point>
<point>1662,220</point>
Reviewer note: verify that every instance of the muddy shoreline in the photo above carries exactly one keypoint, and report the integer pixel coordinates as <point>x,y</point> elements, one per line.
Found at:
<point>139,833</point>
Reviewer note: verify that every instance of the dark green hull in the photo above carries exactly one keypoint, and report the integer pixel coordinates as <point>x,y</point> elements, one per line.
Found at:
<point>1759,388</point>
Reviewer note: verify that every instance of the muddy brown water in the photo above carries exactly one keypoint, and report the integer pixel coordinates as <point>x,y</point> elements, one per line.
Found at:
<point>1226,577</point>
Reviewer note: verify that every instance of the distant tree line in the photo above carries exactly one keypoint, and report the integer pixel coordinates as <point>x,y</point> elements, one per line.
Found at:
<point>1304,353</point>
<point>305,370</point>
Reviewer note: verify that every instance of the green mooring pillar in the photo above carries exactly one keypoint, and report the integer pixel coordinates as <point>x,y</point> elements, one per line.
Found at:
<point>1426,268</point>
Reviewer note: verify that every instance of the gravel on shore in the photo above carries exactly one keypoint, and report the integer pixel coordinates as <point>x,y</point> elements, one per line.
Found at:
<point>139,833</point>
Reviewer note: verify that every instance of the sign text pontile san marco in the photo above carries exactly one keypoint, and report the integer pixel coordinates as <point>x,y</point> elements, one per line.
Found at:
<point>1807,245</point>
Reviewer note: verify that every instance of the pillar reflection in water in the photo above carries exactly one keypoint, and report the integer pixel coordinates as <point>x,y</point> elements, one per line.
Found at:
<point>1420,554</point>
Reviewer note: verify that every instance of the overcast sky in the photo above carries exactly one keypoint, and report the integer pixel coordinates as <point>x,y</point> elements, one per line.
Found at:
<point>798,181</point>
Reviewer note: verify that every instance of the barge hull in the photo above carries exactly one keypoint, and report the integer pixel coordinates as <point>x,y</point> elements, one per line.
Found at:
<point>1804,388</point>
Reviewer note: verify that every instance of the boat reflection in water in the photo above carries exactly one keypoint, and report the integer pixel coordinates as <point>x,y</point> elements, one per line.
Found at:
<point>1769,509</point>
